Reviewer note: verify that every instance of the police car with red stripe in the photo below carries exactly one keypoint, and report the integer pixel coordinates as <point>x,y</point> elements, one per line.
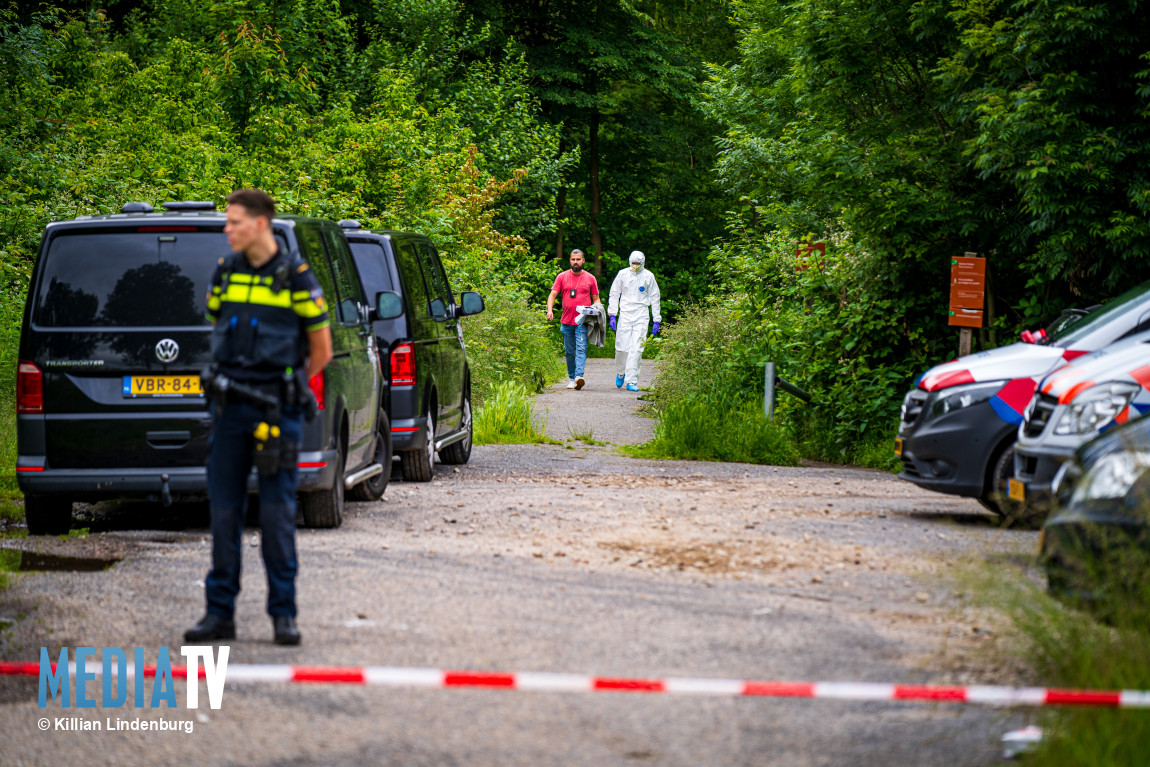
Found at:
<point>960,421</point>
<point>1073,405</point>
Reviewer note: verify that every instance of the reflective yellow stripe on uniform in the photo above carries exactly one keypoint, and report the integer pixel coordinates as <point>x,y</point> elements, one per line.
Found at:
<point>306,306</point>
<point>256,294</point>
<point>214,300</point>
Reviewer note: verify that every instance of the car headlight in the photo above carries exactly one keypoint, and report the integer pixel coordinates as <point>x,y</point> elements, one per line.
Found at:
<point>959,397</point>
<point>1112,476</point>
<point>1095,408</point>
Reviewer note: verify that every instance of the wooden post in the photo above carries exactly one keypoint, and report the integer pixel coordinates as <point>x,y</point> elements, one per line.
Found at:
<point>964,342</point>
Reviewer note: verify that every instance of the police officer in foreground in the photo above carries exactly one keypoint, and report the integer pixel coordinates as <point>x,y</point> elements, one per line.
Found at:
<point>270,336</point>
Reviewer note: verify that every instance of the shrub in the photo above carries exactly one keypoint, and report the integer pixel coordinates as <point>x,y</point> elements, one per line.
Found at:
<point>701,429</point>
<point>508,343</point>
<point>506,416</point>
<point>838,333</point>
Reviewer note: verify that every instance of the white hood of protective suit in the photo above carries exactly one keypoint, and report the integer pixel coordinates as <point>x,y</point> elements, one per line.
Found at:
<point>637,256</point>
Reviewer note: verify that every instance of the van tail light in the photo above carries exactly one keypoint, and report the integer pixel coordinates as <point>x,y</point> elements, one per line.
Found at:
<point>403,365</point>
<point>29,388</point>
<point>316,384</point>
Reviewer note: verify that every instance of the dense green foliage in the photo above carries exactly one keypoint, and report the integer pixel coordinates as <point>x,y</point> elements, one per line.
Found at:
<point>714,135</point>
<point>901,135</point>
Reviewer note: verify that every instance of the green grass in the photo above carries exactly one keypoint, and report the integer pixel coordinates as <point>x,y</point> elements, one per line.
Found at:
<point>1068,648</point>
<point>697,429</point>
<point>9,563</point>
<point>816,442</point>
<point>506,417</point>
<point>583,435</point>
<point>10,495</point>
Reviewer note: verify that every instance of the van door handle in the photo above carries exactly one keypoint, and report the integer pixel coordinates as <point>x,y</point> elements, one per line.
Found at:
<point>168,440</point>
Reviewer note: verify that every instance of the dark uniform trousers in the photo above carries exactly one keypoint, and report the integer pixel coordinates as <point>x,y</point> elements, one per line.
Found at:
<point>229,466</point>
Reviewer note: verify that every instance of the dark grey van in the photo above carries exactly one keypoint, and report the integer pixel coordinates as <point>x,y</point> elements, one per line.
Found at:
<point>109,401</point>
<point>422,351</point>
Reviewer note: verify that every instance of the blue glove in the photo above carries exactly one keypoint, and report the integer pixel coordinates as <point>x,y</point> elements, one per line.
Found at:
<point>655,330</point>
<point>612,317</point>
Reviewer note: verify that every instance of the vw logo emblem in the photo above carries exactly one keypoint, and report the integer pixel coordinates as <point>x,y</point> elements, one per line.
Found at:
<point>167,350</point>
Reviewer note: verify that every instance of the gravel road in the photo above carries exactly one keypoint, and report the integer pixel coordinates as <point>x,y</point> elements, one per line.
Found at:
<point>553,558</point>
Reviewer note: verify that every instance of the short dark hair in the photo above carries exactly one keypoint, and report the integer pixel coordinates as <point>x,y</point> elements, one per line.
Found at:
<point>256,201</point>
<point>576,252</point>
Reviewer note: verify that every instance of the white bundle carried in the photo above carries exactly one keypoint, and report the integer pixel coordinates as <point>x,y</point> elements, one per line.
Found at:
<point>583,311</point>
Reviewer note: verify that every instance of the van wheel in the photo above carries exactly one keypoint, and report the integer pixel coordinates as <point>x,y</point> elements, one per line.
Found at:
<point>372,489</point>
<point>459,452</point>
<point>418,465</point>
<point>325,508</point>
<point>1018,514</point>
<point>47,515</point>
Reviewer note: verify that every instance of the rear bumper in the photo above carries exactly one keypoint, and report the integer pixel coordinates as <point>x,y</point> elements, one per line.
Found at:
<point>317,472</point>
<point>951,453</point>
<point>409,434</point>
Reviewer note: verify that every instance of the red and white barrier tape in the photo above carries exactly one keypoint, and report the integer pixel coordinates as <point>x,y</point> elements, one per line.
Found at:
<point>390,676</point>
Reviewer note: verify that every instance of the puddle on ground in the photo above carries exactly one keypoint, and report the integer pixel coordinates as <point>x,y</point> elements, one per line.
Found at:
<point>25,561</point>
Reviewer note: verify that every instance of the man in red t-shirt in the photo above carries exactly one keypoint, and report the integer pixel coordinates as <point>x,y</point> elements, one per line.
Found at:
<point>579,288</point>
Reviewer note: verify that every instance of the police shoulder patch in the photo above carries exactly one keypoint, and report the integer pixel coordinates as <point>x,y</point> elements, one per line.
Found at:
<point>301,268</point>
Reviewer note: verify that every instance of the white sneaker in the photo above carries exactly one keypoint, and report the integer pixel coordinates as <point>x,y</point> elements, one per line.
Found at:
<point>571,383</point>
<point>579,382</point>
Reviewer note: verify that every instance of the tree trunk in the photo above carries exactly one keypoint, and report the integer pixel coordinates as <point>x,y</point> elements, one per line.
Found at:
<point>593,160</point>
<point>560,204</point>
<point>560,208</point>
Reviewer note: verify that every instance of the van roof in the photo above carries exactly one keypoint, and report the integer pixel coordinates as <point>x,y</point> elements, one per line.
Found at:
<point>183,216</point>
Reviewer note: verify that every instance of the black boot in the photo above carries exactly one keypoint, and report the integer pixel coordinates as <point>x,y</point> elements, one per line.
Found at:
<point>285,628</point>
<point>210,628</point>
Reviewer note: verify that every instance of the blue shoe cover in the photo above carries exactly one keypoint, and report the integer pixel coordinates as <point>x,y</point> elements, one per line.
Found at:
<point>619,382</point>
<point>632,387</point>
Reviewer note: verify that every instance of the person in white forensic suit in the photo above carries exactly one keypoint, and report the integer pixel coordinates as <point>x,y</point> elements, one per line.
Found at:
<point>634,294</point>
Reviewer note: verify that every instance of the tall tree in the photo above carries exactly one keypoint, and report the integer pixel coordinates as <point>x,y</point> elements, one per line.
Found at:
<point>582,55</point>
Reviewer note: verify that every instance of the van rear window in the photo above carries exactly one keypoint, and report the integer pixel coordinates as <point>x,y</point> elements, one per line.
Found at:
<point>127,279</point>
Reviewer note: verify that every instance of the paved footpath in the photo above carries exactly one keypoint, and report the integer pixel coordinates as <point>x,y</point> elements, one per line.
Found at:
<point>608,413</point>
<point>552,558</point>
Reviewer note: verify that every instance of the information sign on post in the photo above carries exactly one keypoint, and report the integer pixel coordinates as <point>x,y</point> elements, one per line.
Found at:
<point>967,297</point>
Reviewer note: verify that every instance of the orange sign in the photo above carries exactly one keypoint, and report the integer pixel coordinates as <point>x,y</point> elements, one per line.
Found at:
<point>966,318</point>
<point>967,291</point>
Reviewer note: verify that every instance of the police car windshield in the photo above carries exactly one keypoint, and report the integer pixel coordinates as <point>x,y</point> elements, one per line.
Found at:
<point>127,278</point>
<point>1099,317</point>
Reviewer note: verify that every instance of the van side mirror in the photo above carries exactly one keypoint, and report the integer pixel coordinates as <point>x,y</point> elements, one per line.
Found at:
<point>470,303</point>
<point>388,305</point>
<point>438,309</point>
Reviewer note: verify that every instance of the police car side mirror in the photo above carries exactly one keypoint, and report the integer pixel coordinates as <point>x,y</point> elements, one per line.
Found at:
<point>470,303</point>
<point>388,305</point>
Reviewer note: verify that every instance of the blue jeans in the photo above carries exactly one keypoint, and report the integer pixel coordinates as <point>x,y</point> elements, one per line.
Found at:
<point>229,465</point>
<point>575,347</point>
